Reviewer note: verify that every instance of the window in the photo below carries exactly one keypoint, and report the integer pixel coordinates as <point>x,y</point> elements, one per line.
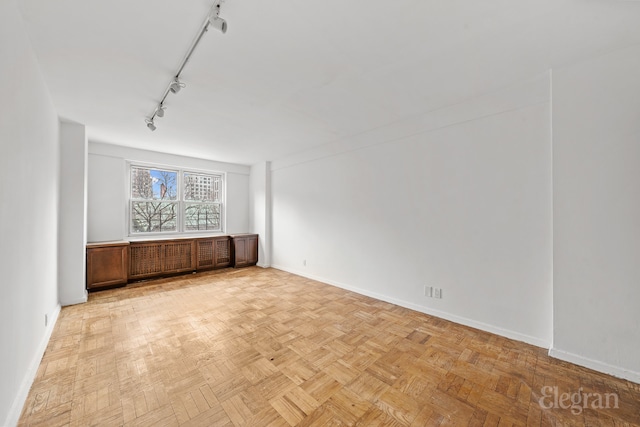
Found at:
<point>202,207</point>
<point>165,200</point>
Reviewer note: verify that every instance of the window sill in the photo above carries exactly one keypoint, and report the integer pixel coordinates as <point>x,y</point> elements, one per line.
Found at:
<point>153,237</point>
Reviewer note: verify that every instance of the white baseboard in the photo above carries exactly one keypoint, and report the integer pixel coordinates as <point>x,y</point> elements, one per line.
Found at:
<point>427,310</point>
<point>615,371</point>
<point>16,409</point>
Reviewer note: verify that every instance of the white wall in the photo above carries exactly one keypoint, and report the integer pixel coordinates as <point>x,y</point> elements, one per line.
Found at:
<point>260,209</point>
<point>458,198</point>
<point>28,214</point>
<point>107,199</point>
<point>106,205</point>
<point>596,158</point>
<point>72,223</point>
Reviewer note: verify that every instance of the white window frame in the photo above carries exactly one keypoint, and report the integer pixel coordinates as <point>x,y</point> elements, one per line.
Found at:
<point>180,217</point>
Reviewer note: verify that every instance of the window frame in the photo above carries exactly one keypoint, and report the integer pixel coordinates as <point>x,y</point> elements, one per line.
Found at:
<point>180,202</point>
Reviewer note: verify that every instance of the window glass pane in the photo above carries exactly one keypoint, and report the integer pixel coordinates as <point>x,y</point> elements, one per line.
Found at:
<point>202,187</point>
<point>153,184</point>
<point>217,189</point>
<point>153,217</point>
<point>202,216</point>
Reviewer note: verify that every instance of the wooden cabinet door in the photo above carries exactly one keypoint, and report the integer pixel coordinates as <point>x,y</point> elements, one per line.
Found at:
<point>252,250</point>
<point>206,254</point>
<point>222,252</point>
<point>107,266</point>
<point>240,247</point>
<point>213,252</point>
<point>178,256</point>
<point>245,249</point>
<point>145,260</point>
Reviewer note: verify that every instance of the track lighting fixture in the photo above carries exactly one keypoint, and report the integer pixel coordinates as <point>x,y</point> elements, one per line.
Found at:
<point>176,85</point>
<point>213,20</point>
<point>218,23</point>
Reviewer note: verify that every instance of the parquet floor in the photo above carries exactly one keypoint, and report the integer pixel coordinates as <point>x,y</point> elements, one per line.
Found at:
<point>263,347</point>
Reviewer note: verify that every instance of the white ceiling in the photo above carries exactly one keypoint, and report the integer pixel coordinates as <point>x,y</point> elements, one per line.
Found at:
<point>290,75</point>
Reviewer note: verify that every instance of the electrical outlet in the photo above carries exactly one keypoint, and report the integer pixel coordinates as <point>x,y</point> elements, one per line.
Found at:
<point>46,320</point>
<point>428,291</point>
<point>437,293</point>
<point>304,262</point>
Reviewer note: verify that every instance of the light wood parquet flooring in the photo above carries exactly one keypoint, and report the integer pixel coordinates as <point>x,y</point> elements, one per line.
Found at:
<point>261,347</point>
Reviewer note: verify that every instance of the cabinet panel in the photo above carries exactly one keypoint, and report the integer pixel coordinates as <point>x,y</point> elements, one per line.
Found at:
<point>178,256</point>
<point>252,250</point>
<point>205,257</point>
<point>149,259</point>
<point>145,260</point>
<point>213,252</point>
<point>222,252</point>
<point>240,248</point>
<point>107,265</point>
<point>245,249</point>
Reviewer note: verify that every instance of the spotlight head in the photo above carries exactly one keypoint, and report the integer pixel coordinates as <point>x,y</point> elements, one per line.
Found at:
<point>150,125</point>
<point>176,85</point>
<point>218,23</point>
<point>160,110</point>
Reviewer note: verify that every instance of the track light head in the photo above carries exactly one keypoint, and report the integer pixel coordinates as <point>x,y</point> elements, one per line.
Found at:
<point>150,125</point>
<point>218,23</point>
<point>215,21</point>
<point>160,110</point>
<point>176,85</point>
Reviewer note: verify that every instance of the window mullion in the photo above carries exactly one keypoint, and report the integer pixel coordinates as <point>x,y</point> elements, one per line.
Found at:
<point>179,198</point>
